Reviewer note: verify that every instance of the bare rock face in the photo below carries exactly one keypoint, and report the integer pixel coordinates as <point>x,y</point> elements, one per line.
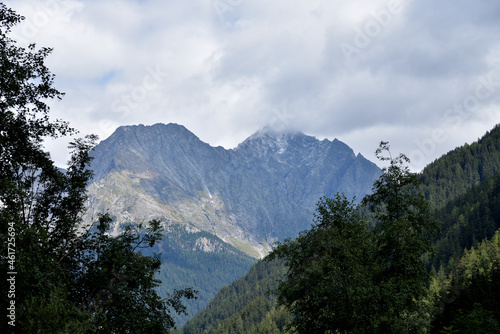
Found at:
<point>264,190</point>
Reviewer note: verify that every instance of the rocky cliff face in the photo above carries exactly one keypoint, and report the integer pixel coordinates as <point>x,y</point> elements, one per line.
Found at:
<point>263,190</point>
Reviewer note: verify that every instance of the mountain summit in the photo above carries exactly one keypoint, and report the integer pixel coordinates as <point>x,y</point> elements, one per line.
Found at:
<point>263,190</point>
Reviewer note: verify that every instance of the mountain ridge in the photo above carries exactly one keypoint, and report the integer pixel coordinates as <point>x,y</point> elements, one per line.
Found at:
<point>263,190</point>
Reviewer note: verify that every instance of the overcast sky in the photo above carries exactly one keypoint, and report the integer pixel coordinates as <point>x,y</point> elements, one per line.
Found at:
<point>423,75</point>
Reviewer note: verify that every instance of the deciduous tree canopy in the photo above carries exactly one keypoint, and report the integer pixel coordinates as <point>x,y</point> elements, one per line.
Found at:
<point>65,277</point>
<point>346,275</point>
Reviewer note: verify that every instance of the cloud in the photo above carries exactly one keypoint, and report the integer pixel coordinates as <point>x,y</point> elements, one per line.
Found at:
<point>361,71</point>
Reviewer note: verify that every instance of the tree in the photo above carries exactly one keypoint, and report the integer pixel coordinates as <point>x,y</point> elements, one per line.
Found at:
<point>119,286</point>
<point>328,282</point>
<point>62,277</point>
<point>353,274</point>
<point>467,301</point>
<point>403,226</point>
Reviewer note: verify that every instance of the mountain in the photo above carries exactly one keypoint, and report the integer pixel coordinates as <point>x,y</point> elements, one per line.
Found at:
<point>263,190</point>
<point>221,208</point>
<point>463,188</point>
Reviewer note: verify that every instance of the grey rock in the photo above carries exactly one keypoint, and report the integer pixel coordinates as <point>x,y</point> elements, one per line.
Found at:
<point>264,190</point>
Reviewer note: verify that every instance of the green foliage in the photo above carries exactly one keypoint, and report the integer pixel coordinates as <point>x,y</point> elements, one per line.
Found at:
<point>343,276</point>
<point>453,174</point>
<point>463,190</point>
<point>468,219</point>
<point>477,321</point>
<point>402,230</point>
<point>68,278</point>
<point>206,271</point>
<point>119,285</point>
<point>329,268</point>
<point>468,299</point>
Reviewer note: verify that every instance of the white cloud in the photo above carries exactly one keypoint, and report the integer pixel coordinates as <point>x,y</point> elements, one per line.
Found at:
<point>362,71</point>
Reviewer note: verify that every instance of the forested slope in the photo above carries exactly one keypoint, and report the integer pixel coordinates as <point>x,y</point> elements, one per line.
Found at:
<point>244,304</point>
<point>199,259</point>
<point>468,220</point>
<point>463,189</point>
<point>454,173</point>
<point>468,299</point>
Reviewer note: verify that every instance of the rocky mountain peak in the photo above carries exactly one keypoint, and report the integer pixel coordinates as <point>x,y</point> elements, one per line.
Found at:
<point>263,190</point>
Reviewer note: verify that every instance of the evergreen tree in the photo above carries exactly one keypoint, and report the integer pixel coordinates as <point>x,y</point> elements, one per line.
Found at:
<point>468,299</point>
